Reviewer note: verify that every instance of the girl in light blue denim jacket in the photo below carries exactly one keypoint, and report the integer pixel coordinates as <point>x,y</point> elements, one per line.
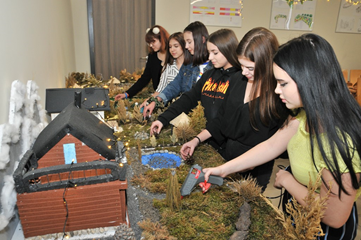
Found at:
<point>195,35</point>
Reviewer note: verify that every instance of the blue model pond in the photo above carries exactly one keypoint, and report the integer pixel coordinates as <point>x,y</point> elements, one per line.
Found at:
<point>162,160</point>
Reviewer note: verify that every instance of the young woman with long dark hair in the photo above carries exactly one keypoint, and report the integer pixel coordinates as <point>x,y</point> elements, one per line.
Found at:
<point>251,112</point>
<point>323,138</point>
<point>175,55</point>
<point>214,84</point>
<point>195,36</point>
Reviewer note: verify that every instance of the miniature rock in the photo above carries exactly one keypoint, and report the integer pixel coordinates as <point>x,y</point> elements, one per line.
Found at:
<point>239,235</point>
<point>244,219</point>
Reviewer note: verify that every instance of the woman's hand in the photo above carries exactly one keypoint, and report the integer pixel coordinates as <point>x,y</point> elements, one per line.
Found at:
<point>217,171</point>
<point>281,177</point>
<point>156,127</point>
<point>143,105</point>
<point>188,148</point>
<point>148,110</point>
<point>119,96</point>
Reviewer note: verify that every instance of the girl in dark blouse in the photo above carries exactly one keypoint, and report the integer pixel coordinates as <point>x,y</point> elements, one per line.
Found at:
<point>156,38</point>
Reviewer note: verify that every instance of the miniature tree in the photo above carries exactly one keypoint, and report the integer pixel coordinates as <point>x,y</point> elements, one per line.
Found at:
<point>246,188</point>
<point>139,150</point>
<point>122,112</point>
<point>137,115</point>
<point>198,121</point>
<point>127,103</point>
<point>174,138</point>
<point>70,81</point>
<point>153,141</point>
<point>129,159</point>
<point>184,132</point>
<point>113,89</point>
<point>173,197</point>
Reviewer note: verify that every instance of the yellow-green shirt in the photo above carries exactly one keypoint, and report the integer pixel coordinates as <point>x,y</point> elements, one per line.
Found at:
<point>299,152</point>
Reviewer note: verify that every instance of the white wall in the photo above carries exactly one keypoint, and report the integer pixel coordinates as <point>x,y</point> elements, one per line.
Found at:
<point>81,35</point>
<point>36,43</point>
<point>173,15</point>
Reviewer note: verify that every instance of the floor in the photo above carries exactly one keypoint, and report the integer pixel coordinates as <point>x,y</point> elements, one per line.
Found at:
<point>270,192</point>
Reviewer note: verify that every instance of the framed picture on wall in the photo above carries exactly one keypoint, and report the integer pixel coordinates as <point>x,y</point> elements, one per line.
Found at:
<point>226,13</point>
<point>349,17</point>
<point>293,14</point>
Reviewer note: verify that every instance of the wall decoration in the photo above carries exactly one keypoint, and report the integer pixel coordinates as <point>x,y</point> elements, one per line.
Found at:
<point>349,17</point>
<point>217,12</point>
<point>293,14</point>
<point>26,121</point>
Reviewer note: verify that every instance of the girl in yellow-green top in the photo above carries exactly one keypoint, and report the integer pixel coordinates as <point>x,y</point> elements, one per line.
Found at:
<point>324,136</point>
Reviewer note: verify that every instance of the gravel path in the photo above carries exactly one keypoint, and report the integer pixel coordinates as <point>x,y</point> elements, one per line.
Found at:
<point>139,202</point>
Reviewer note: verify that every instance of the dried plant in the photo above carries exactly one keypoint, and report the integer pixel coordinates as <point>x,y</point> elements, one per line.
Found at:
<point>126,77</point>
<point>142,181</point>
<point>153,141</point>
<point>122,112</point>
<point>184,132</point>
<point>304,220</point>
<point>198,121</point>
<point>173,197</point>
<point>113,89</point>
<point>129,158</point>
<point>89,80</point>
<point>139,147</point>
<point>127,103</point>
<point>174,138</point>
<point>154,231</point>
<point>246,188</point>
<point>137,115</point>
<point>70,81</point>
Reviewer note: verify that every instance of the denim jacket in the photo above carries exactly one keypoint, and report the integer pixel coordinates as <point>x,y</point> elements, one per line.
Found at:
<point>183,82</point>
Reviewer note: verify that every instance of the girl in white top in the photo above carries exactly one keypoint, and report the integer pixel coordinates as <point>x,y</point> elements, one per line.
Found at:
<point>174,60</point>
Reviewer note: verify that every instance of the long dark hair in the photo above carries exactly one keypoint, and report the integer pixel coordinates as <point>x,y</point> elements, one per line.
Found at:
<point>162,35</point>
<point>200,36</point>
<point>227,42</point>
<point>178,36</point>
<point>259,45</point>
<point>330,109</point>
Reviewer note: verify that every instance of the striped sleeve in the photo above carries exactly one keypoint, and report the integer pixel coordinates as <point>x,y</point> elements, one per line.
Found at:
<point>167,76</point>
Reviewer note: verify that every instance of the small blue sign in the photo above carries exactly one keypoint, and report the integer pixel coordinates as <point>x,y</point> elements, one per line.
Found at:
<point>69,153</point>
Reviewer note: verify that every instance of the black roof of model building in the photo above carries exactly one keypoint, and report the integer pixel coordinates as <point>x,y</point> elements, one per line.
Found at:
<point>81,124</point>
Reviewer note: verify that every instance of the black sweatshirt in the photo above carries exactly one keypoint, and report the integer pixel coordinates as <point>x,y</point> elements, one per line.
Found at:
<point>152,71</point>
<point>233,124</point>
<point>211,90</point>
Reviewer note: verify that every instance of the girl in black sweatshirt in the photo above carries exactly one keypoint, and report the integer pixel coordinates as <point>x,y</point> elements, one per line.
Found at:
<point>251,112</point>
<point>214,84</point>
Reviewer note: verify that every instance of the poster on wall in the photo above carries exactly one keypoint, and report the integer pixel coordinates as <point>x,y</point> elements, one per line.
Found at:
<point>217,12</point>
<point>349,17</point>
<point>293,15</point>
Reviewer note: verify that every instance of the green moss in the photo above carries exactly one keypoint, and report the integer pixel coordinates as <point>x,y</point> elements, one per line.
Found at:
<point>202,216</point>
<point>264,223</point>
